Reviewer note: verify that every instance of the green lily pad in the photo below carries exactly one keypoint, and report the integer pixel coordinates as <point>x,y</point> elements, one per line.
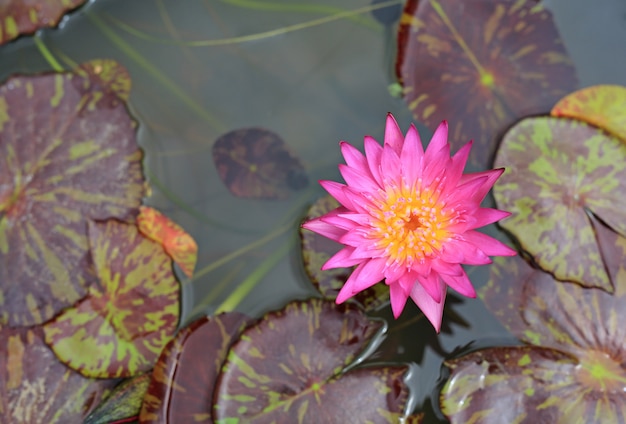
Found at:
<point>316,250</point>
<point>558,172</point>
<point>120,328</point>
<point>25,17</point>
<point>183,379</point>
<point>68,154</point>
<point>573,369</point>
<point>290,365</point>
<point>36,388</point>
<point>481,66</point>
<point>255,163</point>
<point>601,105</point>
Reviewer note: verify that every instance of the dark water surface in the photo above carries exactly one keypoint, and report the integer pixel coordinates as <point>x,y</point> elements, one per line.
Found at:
<point>313,86</point>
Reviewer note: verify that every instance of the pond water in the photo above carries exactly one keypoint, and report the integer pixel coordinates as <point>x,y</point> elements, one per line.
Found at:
<point>314,85</point>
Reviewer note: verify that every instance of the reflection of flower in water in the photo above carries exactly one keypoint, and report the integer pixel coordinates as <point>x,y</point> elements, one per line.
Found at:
<point>409,217</point>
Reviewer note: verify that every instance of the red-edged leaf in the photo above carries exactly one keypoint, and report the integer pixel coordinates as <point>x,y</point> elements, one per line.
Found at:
<point>481,65</point>
<point>256,163</point>
<point>123,403</point>
<point>109,75</point>
<point>316,250</point>
<point>120,328</point>
<point>35,388</point>
<point>67,154</point>
<point>510,385</point>
<point>601,105</point>
<point>288,367</point>
<point>556,171</point>
<point>27,16</point>
<point>184,378</point>
<point>181,247</point>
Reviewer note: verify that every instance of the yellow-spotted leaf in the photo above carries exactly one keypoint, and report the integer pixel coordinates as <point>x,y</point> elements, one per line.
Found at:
<point>27,16</point>
<point>109,74</point>
<point>558,172</point>
<point>68,154</point>
<point>123,403</point>
<point>120,328</point>
<point>601,105</point>
<point>316,250</point>
<point>181,247</point>
<point>510,385</point>
<point>35,388</point>
<point>288,367</point>
<point>585,324</point>
<point>183,379</point>
<point>482,65</point>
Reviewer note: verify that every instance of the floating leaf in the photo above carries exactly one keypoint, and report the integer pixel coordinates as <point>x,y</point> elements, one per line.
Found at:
<point>584,324</point>
<point>316,250</point>
<point>601,105</point>
<point>508,385</point>
<point>480,65</point>
<point>109,75</point>
<point>67,155</point>
<point>124,402</point>
<point>183,379</point>
<point>120,328</point>
<point>25,17</point>
<point>288,368</point>
<point>255,163</point>
<point>35,388</point>
<point>181,247</point>
<point>557,170</point>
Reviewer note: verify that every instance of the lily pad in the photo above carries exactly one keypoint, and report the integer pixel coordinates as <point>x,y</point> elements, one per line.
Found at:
<point>549,315</point>
<point>123,403</point>
<point>109,75</point>
<point>66,156</point>
<point>120,328</point>
<point>25,17</point>
<point>184,378</point>
<point>558,171</point>
<point>316,250</point>
<point>179,245</point>
<point>255,163</point>
<point>481,65</point>
<point>36,388</point>
<point>288,367</point>
<point>601,105</point>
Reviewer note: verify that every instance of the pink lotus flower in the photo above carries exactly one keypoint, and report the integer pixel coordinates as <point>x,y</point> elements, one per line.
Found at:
<point>409,217</point>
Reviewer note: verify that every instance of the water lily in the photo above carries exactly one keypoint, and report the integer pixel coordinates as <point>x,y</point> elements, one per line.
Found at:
<point>409,217</point>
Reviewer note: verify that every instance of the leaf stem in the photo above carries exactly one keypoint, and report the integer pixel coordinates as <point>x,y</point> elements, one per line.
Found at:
<point>47,54</point>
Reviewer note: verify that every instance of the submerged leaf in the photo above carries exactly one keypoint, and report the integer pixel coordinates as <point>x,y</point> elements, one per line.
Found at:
<point>181,247</point>
<point>288,367</point>
<point>557,172</point>
<point>67,155</point>
<point>124,401</point>
<point>316,250</point>
<point>256,163</point>
<point>601,105</point>
<point>183,379</point>
<point>119,329</point>
<point>25,17</point>
<point>481,65</point>
<point>35,388</point>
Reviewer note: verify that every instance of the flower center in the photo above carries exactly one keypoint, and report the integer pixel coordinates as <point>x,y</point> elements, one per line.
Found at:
<point>410,224</point>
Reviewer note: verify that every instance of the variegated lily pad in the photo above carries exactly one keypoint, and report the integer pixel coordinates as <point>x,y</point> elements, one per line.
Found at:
<point>481,65</point>
<point>27,16</point>
<point>256,163</point>
<point>68,154</point>
<point>109,75</point>
<point>558,172</point>
<point>36,388</point>
<point>574,369</point>
<point>123,403</point>
<point>288,368</point>
<point>120,328</point>
<point>181,247</point>
<point>183,380</point>
<point>316,250</point>
<point>601,105</point>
